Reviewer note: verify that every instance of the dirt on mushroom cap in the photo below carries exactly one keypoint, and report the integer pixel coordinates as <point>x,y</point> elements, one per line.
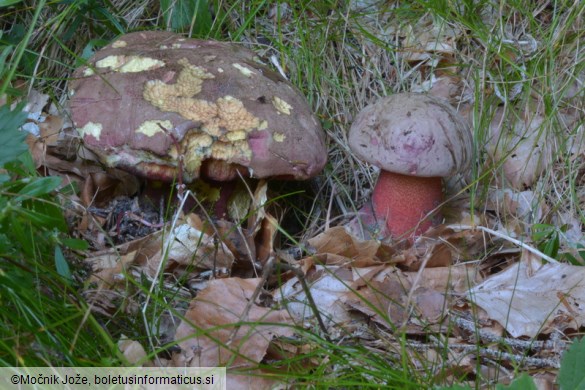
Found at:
<point>149,97</point>
<point>412,134</point>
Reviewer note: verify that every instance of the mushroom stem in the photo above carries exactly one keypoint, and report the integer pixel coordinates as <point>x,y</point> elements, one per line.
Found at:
<point>221,206</point>
<point>403,201</point>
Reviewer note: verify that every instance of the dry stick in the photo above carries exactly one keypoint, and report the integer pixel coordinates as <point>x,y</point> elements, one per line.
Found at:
<point>252,300</point>
<point>138,218</point>
<point>507,238</point>
<point>310,299</point>
<point>212,225</point>
<point>556,346</point>
<point>409,306</point>
<point>268,269</point>
<point>182,196</point>
<point>159,269</point>
<point>489,353</point>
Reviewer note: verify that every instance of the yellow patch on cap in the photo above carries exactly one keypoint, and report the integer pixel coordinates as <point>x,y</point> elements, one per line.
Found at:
<point>263,125</point>
<point>245,71</point>
<point>281,105</point>
<point>236,135</point>
<point>119,44</point>
<point>91,128</point>
<point>224,123</point>
<point>129,64</point>
<point>279,137</point>
<point>152,127</point>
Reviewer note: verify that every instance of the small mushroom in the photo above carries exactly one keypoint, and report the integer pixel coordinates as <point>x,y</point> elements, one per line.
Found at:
<point>161,105</point>
<point>416,140</point>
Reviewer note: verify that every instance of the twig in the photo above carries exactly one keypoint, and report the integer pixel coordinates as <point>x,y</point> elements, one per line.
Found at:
<point>507,238</point>
<point>309,296</point>
<point>268,269</point>
<point>486,337</point>
<point>138,218</point>
<point>159,269</point>
<point>491,354</point>
<point>252,300</point>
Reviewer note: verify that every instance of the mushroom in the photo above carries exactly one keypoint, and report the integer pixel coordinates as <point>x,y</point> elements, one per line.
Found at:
<point>416,140</point>
<point>167,107</point>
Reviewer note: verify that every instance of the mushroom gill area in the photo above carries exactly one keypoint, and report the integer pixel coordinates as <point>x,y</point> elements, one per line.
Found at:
<point>224,124</point>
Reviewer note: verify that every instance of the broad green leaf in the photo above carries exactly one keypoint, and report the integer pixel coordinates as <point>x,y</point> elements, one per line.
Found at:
<point>39,186</point>
<point>551,247</point>
<point>42,214</point>
<point>181,14</point>
<point>6,245</point>
<point>90,49</point>
<point>6,3</point>
<point>75,243</point>
<point>11,138</point>
<point>572,375</point>
<point>542,231</point>
<point>523,382</point>
<point>4,53</point>
<point>61,263</point>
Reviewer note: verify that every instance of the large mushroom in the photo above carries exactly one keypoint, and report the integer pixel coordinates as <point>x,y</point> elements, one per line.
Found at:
<point>416,140</point>
<point>167,107</point>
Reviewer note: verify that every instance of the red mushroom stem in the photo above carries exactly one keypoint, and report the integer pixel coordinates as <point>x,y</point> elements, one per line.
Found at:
<point>403,201</point>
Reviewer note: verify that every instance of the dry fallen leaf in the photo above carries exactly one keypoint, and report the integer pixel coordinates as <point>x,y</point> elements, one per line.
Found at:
<point>365,225</point>
<point>252,379</point>
<point>265,238</point>
<point>428,39</point>
<point>337,241</point>
<point>132,350</point>
<point>383,293</point>
<point>185,248</point>
<point>380,293</point>
<point>525,205</point>
<point>327,285</point>
<point>187,245</point>
<point>219,331</point>
<point>390,296</point>
<point>525,146</point>
<point>100,188</point>
<point>528,298</point>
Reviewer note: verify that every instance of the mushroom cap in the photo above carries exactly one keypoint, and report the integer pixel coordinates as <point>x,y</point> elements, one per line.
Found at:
<point>149,98</point>
<point>412,134</point>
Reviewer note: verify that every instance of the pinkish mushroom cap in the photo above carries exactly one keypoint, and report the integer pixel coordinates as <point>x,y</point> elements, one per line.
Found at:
<point>149,98</point>
<point>412,134</point>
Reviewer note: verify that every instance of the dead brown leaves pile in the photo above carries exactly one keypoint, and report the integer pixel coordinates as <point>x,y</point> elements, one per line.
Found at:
<point>223,313</point>
<point>430,288</point>
<point>465,300</point>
